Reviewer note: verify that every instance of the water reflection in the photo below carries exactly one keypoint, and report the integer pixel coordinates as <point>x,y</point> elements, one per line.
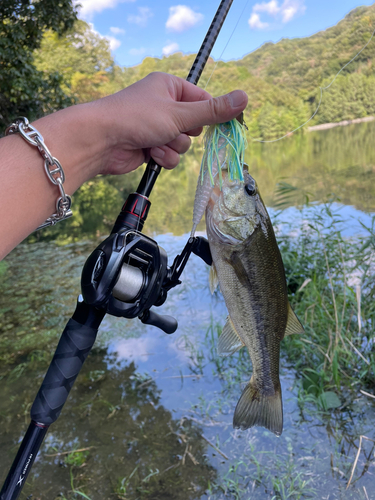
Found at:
<point>117,417</point>
<point>339,161</point>
<point>153,413</point>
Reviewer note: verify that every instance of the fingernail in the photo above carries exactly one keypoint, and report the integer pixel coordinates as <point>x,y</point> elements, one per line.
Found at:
<point>157,152</point>
<point>237,98</point>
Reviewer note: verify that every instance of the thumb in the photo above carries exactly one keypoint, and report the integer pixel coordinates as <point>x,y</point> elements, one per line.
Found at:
<point>215,110</point>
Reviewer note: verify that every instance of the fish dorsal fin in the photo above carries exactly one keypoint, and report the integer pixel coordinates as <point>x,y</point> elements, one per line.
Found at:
<point>213,278</point>
<point>229,340</point>
<point>293,325</point>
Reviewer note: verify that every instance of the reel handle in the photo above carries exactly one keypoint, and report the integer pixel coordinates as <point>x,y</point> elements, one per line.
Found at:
<point>166,323</point>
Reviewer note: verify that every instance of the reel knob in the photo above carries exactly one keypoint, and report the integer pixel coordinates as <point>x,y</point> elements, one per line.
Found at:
<point>166,323</point>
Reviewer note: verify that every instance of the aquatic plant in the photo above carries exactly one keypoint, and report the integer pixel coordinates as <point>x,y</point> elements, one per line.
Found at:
<point>330,281</point>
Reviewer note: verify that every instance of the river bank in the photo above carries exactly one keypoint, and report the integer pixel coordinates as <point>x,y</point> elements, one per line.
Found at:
<point>326,126</point>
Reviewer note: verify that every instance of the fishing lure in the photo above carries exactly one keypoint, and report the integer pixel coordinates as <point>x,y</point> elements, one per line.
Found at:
<point>224,149</point>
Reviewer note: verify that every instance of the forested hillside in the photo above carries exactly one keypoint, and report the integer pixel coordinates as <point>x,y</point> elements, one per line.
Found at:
<point>282,79</point>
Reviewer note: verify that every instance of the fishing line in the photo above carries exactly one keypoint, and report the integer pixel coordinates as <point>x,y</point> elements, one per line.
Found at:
<point>320,100</point>
<point>226,45</point>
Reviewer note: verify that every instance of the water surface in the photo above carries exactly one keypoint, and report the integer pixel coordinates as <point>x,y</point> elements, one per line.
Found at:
<point>153,412</point>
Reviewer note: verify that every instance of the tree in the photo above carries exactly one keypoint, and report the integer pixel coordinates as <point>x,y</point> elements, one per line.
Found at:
<point>82,57</point>
<point>23,89</point>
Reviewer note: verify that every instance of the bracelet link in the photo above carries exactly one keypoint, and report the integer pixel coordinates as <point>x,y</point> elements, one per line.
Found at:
<point>50,173</point>
<point>56,175</point>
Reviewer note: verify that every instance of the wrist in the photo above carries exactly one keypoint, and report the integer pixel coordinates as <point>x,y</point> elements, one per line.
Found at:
<point>73,136</point>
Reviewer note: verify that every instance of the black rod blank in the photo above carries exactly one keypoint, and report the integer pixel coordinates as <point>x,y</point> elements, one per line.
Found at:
<point>209,42</point>
<point>23,461</point>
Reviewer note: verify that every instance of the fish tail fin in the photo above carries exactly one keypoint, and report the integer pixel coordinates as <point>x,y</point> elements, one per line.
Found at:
<point>253,408</point>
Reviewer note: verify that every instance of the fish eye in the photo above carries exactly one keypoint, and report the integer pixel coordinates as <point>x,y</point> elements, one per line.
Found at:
<point>250,189</point>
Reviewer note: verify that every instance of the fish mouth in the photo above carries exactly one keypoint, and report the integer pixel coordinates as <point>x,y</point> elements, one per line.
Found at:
<point>236,218</point>
<point>225,237</point>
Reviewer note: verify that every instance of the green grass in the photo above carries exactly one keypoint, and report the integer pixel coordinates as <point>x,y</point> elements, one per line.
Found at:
<point>330,281</point>
<point>260,473</point>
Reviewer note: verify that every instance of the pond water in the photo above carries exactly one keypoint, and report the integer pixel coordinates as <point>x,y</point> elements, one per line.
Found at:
<point>152,413</point>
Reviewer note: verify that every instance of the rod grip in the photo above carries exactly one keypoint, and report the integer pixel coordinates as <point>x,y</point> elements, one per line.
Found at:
<point>75,343</point>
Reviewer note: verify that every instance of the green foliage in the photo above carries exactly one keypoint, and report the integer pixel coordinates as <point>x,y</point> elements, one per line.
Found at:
<point>76,458</point>
<point>72,62</point>
<point>351,96</point>
<point>301,65</point>
<point>3,268</point>
<point>83,59</point>
<point>24,89</point>
<point>95,207</point>
<point>331,289</point>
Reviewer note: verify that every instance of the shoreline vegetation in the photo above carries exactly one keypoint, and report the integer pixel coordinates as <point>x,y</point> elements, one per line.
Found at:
<point>343,123</point>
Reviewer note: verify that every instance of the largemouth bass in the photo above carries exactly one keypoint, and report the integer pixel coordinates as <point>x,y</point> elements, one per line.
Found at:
<point>247,265</point>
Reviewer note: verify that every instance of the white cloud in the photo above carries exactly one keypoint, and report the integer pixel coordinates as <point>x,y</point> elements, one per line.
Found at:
<point>89,7</point>
<point>291,8</point>
<point>256,23</point>
<point>113,42</point>
<point>137,52</point>
<point>169,49</point>
<point>271,7</point>
<point>136,349</point>
<point>144,14</point>
<point>284,12</point>
<point>117,31</point>
<point>289,12</point>
<point>182,18</point>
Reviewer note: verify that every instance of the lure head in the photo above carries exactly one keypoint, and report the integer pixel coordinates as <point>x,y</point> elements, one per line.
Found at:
<point>225,145</point>
<point>233,211</point>
<point>240,118</point>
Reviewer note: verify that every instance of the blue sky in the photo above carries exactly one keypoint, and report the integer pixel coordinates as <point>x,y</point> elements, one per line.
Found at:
<point>140,28</point>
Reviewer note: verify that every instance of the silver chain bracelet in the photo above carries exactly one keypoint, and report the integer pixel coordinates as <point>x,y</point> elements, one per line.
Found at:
<point>52,166</point>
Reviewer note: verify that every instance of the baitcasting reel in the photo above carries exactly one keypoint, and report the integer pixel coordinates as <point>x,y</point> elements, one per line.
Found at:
<point>128,272</point>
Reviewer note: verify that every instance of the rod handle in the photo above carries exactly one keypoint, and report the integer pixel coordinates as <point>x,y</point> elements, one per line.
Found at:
<point>75,343</point>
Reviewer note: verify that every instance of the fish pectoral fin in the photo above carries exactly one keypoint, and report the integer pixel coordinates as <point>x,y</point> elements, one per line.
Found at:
<point>254,408</point>
<point>293,325</point>
<point>229,340</point>
<point>213,278</point>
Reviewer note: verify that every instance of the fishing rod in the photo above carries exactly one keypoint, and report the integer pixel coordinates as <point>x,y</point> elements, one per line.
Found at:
<point>125,276</point>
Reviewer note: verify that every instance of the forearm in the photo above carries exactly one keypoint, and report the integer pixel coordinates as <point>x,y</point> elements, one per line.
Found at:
<point>27,197</point>
<point>113,135</point>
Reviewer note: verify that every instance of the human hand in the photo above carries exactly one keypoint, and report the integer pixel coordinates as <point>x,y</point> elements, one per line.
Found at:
<point>155,117</point>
